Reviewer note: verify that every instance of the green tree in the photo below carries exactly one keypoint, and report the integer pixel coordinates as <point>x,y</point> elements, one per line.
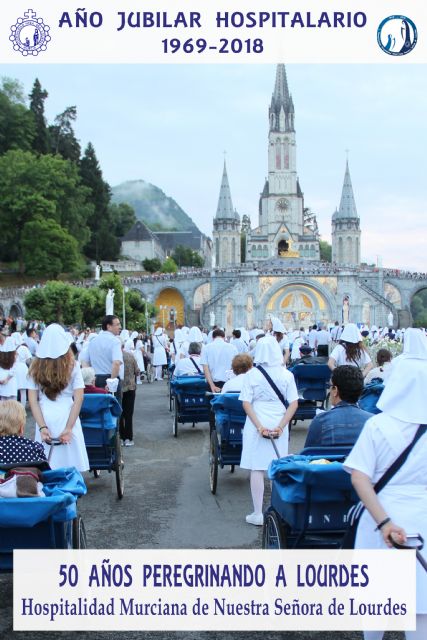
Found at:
<point>50,304</point>
<point>62,135</point>
<point>186,257</point>
<point>325,251</point>
<point>17,129</point>
<point>37,97</point>
<point>103,243</point>
<point>152,265</point>
<point>38,187</point>
<point>169,266</point>
<point>123,218</point>
<point>49,250</point>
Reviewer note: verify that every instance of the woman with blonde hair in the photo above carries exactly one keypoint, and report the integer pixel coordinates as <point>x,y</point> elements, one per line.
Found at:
<point>55,394</point>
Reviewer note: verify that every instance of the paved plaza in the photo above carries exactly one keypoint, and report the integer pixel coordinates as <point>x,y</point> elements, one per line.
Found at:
<point>167,504</point>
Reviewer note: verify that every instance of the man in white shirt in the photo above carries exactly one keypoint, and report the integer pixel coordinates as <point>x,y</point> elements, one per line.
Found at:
<point>216,360</point>
<point>336,331</point>
<point>238,342</point>
<point>191,365</point>
<point>323,339</point>
<point>105,352</point>
<point>312,337</point>
<point>30,340</point>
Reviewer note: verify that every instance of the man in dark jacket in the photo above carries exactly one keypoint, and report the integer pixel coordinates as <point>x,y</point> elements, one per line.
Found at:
<point>342,424</point>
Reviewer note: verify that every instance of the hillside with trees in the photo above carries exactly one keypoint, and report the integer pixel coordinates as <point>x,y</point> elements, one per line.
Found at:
<point>55,206</point>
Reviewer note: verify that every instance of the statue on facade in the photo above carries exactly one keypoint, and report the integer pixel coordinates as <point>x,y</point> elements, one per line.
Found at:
<point>212,319</point>
<point>109,303</point>
<point>390,320</point>
<point>97,272</point>
<point>346,310</point>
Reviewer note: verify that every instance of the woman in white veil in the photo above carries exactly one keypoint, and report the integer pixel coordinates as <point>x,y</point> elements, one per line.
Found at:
<point>401,506</point>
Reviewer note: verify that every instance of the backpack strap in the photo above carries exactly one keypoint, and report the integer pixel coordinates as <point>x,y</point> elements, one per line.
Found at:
<point>196,365</point>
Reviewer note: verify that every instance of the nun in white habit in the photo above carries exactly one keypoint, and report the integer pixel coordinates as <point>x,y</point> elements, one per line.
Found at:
<point>265,414</point>
<point>401,506</point>
<point>55,394</point>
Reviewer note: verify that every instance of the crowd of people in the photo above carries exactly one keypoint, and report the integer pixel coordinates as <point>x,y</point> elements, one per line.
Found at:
<point>57,366</point>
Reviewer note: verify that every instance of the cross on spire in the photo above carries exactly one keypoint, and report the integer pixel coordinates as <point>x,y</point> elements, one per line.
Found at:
<point>30,14</point>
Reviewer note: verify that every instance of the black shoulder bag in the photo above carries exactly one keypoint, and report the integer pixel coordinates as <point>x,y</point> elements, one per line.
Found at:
<point>274,386</point>
<point>355,512</point>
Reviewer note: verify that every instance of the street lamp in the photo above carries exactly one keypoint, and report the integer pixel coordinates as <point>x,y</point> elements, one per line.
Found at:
<point>163,309</point>
<point>125,290</point>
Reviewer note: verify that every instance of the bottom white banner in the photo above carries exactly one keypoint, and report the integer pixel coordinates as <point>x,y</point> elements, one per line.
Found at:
<point>210,590</point>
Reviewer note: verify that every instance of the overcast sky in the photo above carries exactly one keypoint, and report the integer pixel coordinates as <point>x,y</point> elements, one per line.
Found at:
<point>170,125</point>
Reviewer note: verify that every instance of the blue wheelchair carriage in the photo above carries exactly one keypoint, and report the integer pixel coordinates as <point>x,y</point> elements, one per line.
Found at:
<point>226,439</point>
<point>50,522</point>
<point>191,405</point>
<point>312,381</point>
<point>99,416</point>
<point>309,500</point>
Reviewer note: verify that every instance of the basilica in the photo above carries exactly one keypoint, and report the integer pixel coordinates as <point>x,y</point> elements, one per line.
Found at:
<point>281,273</point>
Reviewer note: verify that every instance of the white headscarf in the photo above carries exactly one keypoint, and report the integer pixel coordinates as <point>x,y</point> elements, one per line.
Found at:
<point>17,338</point>
<point>185,331</point>
<point>351,333</point>
<point>54,342</point>
<point>277,325</point>
<point>134,335</point>
<point>268,352</point>
<point>158,331</point>
<point>195,335</point>
<point>124,335</point>
<point>8,345</point>
<point>414,345</point>
<point>404,395</point>
<point>179,336</point>
<point>244,334</point>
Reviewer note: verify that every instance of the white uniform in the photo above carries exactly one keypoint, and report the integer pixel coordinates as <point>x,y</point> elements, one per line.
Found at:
<point>55,413</point>
<point>404,497</point>
<point>138,355</point>
<point>258,452</point>
<point>159,355</point>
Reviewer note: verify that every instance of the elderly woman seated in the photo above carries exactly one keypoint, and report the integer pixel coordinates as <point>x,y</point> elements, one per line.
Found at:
<point>240,365</point>
<point>89,375</point>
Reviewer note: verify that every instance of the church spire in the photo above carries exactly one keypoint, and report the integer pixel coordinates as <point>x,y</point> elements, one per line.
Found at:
<point>225,208</point>
<point>347,205</point>
<point>281,113</point>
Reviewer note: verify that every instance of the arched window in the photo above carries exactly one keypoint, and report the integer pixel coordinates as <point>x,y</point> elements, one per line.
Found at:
<point>233,251</point>
<point>265,252</point>
<point>217,252</point>
<point>340,250</point>
<point>254,253</point>
<point>349,258</point>
<point>312,251</point>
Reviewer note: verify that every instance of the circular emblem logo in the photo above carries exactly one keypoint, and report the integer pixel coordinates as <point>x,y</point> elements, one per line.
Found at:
<point>29,35</point>
<point>397,35</point>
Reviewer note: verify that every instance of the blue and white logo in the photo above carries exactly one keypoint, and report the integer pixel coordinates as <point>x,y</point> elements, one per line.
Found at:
<point>397,35</point>
<point>29,35</point>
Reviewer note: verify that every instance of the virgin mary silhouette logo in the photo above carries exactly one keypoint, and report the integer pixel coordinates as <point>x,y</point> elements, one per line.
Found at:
<point>397,35</point>
<point>29,35</point>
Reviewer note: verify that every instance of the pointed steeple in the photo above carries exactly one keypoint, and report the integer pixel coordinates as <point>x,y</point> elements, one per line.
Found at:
<point>281,100</point>
<point>225,209</point>
<point>347,205</point>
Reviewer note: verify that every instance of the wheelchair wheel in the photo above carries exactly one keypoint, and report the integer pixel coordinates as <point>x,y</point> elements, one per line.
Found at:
<point>272,532</point>
<point>79,534</point>
<point>213,461</point>
<point>175,421</point>
<point>118,468</point>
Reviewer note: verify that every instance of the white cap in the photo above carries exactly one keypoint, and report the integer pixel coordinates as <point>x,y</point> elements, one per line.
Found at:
<point>404,394</point>
<point>54,342</point>
<point>351,334</point>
